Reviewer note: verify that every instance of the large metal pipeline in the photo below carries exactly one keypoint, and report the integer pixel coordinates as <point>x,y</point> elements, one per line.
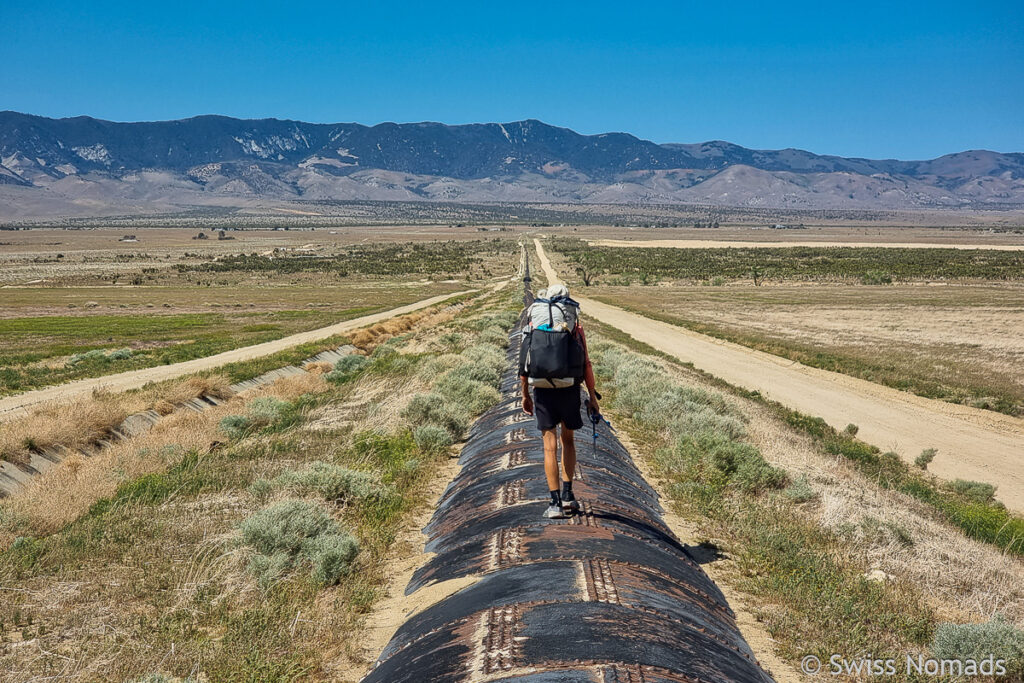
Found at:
<point>609,595</point>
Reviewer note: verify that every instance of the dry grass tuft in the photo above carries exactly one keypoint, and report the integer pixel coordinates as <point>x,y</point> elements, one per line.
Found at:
<point>215,386</point>
<point>320,368</point>
<point>163,407</point>
<point>62,494</point>
<point>290,388</point>
<point>73,424</point>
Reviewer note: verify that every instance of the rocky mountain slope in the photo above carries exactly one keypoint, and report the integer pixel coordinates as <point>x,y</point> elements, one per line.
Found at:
<point>82,165</point>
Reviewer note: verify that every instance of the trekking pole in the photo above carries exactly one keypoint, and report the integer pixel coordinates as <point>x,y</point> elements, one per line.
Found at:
<point>595,419</point>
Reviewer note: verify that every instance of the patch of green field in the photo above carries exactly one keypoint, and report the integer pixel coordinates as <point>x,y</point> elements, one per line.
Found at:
<point>453,258</point>
<point>871,265</point>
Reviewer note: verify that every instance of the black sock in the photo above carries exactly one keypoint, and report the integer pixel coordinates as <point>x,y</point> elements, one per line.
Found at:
<point>555,499</point>
<point>566,488</point>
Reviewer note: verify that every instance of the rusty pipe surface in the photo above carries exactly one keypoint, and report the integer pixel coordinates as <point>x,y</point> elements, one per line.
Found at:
<point>608,595</point>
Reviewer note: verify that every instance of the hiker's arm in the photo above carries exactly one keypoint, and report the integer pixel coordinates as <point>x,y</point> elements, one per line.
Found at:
<point>527,399</point>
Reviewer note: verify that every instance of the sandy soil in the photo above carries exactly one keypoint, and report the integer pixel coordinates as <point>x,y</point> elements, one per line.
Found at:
<point>973,444</point>
<point>14,406</point>
<point>714,244</point>
<point>969,336</point>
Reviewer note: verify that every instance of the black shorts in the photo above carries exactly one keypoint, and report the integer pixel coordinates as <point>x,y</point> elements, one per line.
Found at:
<point>554,407</point>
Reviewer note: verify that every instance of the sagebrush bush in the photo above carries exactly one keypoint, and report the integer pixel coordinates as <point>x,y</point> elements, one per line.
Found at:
<point>266,410</point>
<point>451,341</point>
<point>851,429</point>
<point>494,335</point>
<point>94,355</point>
<point>347,368</point>
<point>799,491</point>
<point>706,431</point>
<point>384,351</point>
<point>329,481</point>
<point>262,412</point>
<point>120,354</point>
<point>998,638</point>
<point>470,395</point>
<point>976,491</point>
<point>487,354</point>
<point>926,457</point>
<point>434,367</point>
<point>435,409</point>
<point>295,532</point>
<point>331,556</point>
<point>432,438</point>
<point>235,426</point>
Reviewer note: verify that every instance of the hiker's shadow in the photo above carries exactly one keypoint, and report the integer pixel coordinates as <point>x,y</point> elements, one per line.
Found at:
<point>705,553</point>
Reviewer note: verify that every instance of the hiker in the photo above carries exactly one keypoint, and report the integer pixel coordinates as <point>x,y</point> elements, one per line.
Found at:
<point>554,360</point>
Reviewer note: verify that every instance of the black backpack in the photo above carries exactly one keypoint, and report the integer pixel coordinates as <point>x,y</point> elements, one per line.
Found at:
<point>549,353</point>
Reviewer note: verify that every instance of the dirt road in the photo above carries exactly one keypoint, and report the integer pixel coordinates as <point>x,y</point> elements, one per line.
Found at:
<point>973,444</point>
<point>716,244</point>
<point>12,406</point>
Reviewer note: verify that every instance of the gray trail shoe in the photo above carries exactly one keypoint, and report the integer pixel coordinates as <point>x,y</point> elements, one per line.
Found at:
<point>554,512</point>
<point>570,503</point>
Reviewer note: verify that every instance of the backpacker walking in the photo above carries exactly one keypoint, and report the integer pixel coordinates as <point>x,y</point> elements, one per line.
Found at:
<point>554,360</point>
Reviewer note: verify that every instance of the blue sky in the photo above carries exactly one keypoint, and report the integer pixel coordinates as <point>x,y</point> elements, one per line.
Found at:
<point>893,79</point>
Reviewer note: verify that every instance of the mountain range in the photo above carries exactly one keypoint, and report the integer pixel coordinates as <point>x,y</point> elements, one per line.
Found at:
<point>88,166</point>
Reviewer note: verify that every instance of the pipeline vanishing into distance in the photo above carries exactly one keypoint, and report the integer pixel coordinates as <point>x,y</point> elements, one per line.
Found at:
<point>609,595</point>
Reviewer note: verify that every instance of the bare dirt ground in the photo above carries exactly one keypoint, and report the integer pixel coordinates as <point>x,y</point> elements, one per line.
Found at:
<point>964,336</point>
<point>13,406</point>
<point>973,444</point>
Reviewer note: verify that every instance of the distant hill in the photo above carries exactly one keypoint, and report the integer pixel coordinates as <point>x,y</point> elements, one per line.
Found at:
<point>87,166</point>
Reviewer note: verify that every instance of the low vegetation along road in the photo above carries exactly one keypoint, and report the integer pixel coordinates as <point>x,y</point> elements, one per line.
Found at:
<point>972,444</point>
<point>12,406</point>
<point>718,244</point>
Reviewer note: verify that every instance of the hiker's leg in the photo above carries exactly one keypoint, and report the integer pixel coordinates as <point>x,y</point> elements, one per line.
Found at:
<point>568,454</point>
<point>551,458</point>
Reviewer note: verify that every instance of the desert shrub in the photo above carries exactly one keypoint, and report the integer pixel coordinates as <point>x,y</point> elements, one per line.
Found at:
<point>262,412</point>
<point>851,429</point>
<point>383,351</point>
<point>799,490</point>
<point>347,368</point>
<point>94,355</point>
<point>998,638</point>
<point>235,426</point>
<point>120,354</point>
<point>486,354</point>
<point>474,371</point>
<point>718,461</point>
<point>494,335</point>
<point>705,431</point>
<point>295,532</point>
<point>451,341</point>
<point>717,281</point>
<point>329,481</point>
<point>432,438</point>
<point>926,457</point>
<point>266,410</point>
<point>438,365</point>
<point>433,408</point>
<point>876,277</point>
<point>331,556</point>
<point>471,395</point>
<point>976,491</point>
